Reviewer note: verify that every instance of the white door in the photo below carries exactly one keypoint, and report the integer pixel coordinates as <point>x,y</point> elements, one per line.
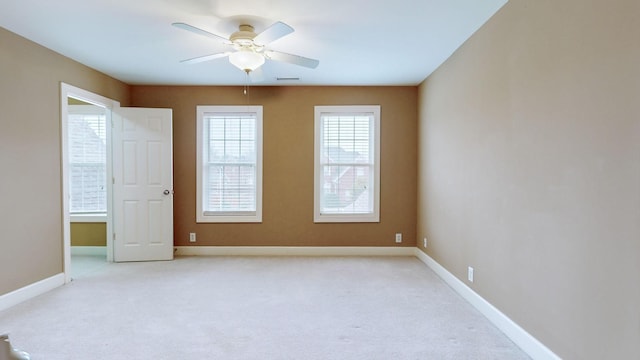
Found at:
<point>142,184</point>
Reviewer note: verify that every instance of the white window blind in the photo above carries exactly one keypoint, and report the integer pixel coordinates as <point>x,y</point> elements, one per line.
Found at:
<point>87,159</point>
<point>230,175</point>
<point>347,164</point>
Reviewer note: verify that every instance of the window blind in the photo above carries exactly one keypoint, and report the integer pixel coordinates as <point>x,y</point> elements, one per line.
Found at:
<point>230,164</point>
<point>346,164</point>
<point>87,162</point>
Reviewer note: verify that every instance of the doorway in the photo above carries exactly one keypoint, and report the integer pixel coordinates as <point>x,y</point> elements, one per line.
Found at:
<point>138,185</point>
<point>86,168</point>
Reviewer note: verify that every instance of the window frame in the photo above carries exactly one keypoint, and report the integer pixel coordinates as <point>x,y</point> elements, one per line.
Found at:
<point>350,110</point>
<point>226,217</point>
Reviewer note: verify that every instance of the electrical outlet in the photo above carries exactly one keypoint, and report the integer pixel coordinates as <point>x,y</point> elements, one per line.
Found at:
<point>398,238</point>
<point>192,237</point>
<point>424,242</point>
<point>470,274</point>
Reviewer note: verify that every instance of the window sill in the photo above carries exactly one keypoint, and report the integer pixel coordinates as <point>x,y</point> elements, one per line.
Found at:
<point>346,218</point>
<point>88,218</point>
<point>202,218</point>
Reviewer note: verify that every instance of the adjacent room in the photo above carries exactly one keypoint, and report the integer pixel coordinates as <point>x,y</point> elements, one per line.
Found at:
<point>320,180</point>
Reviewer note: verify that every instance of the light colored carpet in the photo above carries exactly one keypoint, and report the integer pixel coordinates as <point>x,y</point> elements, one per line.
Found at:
<point>256,308</point>
<point>86,265</point>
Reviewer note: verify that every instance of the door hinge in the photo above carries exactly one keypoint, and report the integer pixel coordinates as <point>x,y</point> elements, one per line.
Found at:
<point>113,180</point>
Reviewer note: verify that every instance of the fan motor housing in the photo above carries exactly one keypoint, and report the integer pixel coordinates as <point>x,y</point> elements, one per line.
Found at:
<point>244,36</point>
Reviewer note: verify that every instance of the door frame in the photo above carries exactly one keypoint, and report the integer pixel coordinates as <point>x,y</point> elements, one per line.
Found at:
<point>67,91</point>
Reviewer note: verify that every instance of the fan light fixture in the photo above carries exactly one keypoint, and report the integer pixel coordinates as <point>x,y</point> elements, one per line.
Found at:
<point>251,49</point>
<point>246,60</point>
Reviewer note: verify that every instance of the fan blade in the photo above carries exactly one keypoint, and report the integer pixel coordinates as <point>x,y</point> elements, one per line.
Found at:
<point>292,59</point>
<point>199,31</point>
<point>273,33</point>
<point>200,59</point>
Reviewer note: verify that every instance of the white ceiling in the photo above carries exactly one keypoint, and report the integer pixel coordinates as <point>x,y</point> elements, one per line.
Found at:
<point>358,42</point>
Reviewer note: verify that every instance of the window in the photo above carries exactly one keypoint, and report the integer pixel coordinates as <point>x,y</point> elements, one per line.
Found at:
<point>229,164</point>
<point>87,159</point>
<point>347,165</point>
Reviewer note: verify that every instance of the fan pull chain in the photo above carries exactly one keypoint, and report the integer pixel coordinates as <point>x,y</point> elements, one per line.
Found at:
<point>246,85</point>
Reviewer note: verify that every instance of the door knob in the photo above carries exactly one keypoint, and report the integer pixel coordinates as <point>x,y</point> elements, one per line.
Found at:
<point>166,192</point>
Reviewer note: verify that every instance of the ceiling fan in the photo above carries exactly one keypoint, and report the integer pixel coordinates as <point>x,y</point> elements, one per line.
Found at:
<point>250,49</point>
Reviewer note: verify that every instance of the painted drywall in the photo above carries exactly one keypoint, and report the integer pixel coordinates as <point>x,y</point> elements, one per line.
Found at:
<point>288,164</point>
<point>30,156</point>
<point>529,171</point>
<point>88,234</point>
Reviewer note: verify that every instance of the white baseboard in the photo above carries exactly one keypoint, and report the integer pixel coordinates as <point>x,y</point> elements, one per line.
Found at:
<point>530,345</point>
<point>30,291</point>
<point>292,251</point>
<point>89,250</point>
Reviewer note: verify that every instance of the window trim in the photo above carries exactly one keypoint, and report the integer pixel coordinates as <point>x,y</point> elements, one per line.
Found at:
<point>374,216</point>
<point>208,217</point>
<point>88,218</point>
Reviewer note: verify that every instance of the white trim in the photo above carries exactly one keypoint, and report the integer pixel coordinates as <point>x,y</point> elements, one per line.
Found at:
<point>30,291</point>
<point>374,141</point>
<point>66,91</point>
<point>213,217</point>
<point>89,250</point>
<point>88,218</point>
<point>293,251</point>
<point>530,345</point>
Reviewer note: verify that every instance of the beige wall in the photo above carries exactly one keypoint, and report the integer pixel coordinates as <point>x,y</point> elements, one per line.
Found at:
<point>529,171</point>
<point>88,234</point>
<point>528,154</point>
<point>30,186</point>
<point>288,164</point>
